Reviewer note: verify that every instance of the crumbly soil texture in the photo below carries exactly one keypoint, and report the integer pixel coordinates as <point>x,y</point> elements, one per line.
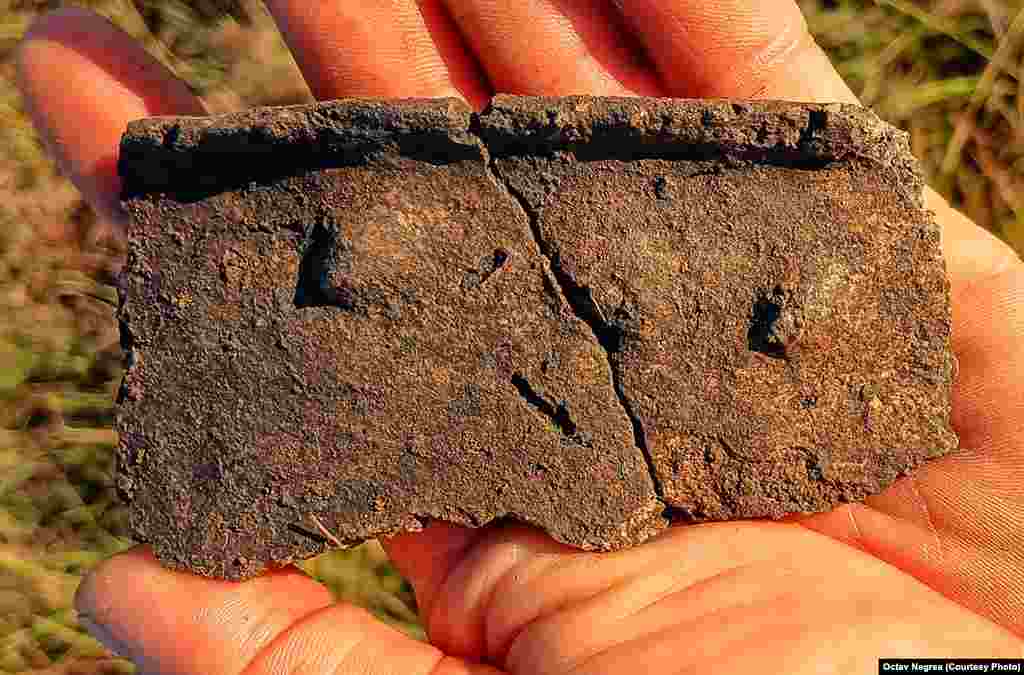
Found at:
<point>594,315</point>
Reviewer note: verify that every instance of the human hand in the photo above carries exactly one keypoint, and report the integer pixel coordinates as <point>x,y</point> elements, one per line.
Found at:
<point>932,567</point>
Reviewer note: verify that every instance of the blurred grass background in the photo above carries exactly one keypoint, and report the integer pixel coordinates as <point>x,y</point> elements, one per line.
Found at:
<point>944,70</point>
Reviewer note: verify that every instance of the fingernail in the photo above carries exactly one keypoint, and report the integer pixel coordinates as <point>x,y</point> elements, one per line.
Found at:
<point>103,635</point>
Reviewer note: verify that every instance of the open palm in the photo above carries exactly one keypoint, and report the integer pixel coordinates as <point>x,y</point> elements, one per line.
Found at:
<point>932,567</point>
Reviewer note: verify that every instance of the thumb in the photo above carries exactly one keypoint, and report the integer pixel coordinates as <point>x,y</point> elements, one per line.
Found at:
<point>734,49</point>
<point>282,622</point>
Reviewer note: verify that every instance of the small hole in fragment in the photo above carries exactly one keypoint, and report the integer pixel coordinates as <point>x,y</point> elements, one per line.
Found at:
<point>761,336</point>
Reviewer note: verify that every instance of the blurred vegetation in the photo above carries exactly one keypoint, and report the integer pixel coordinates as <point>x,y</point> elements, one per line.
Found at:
<point>947,72</point>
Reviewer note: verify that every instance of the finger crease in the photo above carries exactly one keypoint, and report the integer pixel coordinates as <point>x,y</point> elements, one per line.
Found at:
<point>774,55</point>
<point>492,596</point>
<point>267,650</point>
<point>708,618</point>
<point>923,504</point>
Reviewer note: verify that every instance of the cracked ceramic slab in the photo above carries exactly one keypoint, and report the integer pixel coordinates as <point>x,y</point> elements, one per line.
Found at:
<point>773,293</point>
<point>360,347</point>
<point>357,316</point>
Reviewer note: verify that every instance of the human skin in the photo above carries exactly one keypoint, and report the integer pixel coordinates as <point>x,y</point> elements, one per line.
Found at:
<point>933,567</point>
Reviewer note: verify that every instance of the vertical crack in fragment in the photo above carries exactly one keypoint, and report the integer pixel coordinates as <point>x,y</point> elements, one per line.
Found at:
<point>581,301</point>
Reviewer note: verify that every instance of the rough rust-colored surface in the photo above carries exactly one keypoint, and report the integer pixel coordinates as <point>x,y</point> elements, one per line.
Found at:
<point>587,314</point>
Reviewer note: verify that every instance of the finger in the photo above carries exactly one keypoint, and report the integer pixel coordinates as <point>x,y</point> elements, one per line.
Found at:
<point>426,558</point>
<point>455,571</point>
<point>958,523</point>
<point>972,253</point>
<point>734,48</point>
<point>554,47</point>
<point>83,80</point>
<point>521,601</point>
<point>282,622</point>
<point>385,48</point>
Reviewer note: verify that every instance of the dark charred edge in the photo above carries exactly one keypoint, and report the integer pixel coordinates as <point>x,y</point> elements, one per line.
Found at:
<point>214,168</point>
<point>751,129</point>
<point>609,336</point>
<point>191,158</point>
<point>741,133</point>
<point>625,148</point>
